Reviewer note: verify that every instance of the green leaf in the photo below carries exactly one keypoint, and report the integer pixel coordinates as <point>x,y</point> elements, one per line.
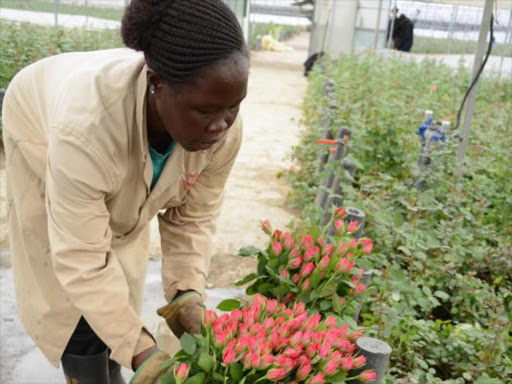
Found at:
<point>196,379</point>
<point>228,305</point>
<point>442,295</point>
<point>235,370</point>
<point>484,379</point>
<point>188,343</point>
<point>315,279</point>
<point>168,378</point>
<point>205,362</point>
<point>265,288</point>
<point>248,251</point>
<point>325,305</point>
<point>338,377</point>
<point>246,279</point>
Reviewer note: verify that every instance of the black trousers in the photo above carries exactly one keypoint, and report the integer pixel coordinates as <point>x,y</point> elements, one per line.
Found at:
<point>84,342</point>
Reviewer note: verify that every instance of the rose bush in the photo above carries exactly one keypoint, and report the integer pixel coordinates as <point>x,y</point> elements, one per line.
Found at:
<point>267,342</point>
<point>319,273</point>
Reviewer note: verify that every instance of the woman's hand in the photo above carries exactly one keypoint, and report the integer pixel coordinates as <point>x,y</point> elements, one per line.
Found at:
<point>147,366</point>
<point>184,313</point>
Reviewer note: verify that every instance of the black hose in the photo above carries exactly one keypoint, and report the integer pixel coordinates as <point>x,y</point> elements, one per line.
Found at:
<point>489,48</point>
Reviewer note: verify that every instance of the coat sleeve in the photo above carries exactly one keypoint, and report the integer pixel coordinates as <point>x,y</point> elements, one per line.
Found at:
<point>187,230</point>
<point>77,182</point>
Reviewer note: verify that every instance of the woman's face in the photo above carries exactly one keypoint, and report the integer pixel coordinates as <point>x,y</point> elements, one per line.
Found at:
<point>197,115</point>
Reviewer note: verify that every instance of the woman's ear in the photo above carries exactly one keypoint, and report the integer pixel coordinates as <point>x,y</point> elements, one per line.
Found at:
<point>155,82</point>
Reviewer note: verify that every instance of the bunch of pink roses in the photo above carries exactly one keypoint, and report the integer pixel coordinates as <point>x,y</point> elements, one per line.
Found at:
<point>268,342</point>
<point>310,270</point>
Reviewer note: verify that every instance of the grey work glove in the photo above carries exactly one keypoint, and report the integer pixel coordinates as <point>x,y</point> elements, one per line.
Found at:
<point>184,314</point>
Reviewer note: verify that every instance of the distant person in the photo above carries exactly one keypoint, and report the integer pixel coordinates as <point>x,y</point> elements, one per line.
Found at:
<point>310,62</point>
<point>403,32</point>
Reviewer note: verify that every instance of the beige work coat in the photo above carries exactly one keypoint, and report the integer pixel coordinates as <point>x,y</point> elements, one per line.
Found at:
<point>79,200</point>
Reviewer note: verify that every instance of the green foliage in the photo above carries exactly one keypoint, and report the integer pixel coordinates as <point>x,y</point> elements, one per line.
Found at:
<point>442,46</point>
<point>67,9</point>
<point>443,295</point>
<point>23,44</point>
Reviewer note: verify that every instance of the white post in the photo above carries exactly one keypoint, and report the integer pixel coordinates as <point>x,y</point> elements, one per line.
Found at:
<point>507,40</point>
<point>56,12</point>
<point>470,106</point>
<point>377,28</point>
<point>391,26</point>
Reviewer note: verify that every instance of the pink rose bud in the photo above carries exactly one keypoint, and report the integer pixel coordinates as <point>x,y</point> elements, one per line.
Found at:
<point>339,227</point>
<point>229,356</point>
<point>295,262</point>
<point>255,360</point>
<point>318,379</point>
<point>296,339</point>
<point>307,242</point>
<point>292,353</point>
<point>266,227</point>
<point>266,361</point>
<point>285,273</point>
<point>181,372</point>
<point>353,241</point>
<point>209,317</point>
<point>347,363</point>
<point>271,306</point>
<point>325,349</point>
<point>277,235</point>
<point>311,253</point>
<point>352,227</point>
<point>433,87</point>
<point>345,265</point>
<point>360,288</point>
<point>367,376</point>
<point>307,269</point>
<point>342,249</point>
<point>330,368</point>
<point>330,321</point>
<point>359,361</point>
<point>306,284</point>
<point>340,213</point>
<point>328,250</point>
<point>321,241</point>
<point>367,249</point>
<point>276,248</point>
<point>276,374</point>
<point>297,278</point>
<point>303,371</point>
<point>342,300</point>
<point>324,263</point>
<point>293,168</point>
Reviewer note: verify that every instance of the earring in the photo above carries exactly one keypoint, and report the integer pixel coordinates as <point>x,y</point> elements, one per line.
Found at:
<point>152,90</point>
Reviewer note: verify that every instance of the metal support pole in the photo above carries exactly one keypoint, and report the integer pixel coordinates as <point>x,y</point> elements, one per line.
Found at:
<point>56,12</point>
<point>390,38</point>
<point>470,107</point>
<point>507,41</point>
<point>334,157</point>
<point>377,353</point>
<point>333,195</point>
<point>377,28</point>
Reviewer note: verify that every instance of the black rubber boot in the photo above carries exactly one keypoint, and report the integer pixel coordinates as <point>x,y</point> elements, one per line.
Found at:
<point>115,373</point>
<point>86,369</point>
